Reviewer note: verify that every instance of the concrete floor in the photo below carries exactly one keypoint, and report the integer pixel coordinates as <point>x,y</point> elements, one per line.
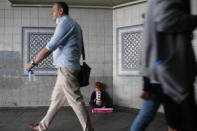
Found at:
<point>17,119</point>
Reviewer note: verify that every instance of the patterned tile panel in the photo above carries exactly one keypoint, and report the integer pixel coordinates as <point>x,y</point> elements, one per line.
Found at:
<point>129,49</point>
<point>33,40</point>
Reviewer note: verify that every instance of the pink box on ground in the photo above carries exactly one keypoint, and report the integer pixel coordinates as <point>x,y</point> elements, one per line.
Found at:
<point>102,110</point>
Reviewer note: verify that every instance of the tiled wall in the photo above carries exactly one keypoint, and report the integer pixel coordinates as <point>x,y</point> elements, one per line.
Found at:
<point>15,89</point>
<point>126,88</point>
<point>100,28</point>
<point>97,29</point>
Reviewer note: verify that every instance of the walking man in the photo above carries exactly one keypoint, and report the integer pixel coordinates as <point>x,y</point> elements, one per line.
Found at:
<point>66,45</point>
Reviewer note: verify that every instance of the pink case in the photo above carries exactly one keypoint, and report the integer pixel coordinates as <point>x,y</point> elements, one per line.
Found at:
<point>102,110</point>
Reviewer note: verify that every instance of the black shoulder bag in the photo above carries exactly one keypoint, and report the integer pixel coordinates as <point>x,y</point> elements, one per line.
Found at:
<point>84,73</point>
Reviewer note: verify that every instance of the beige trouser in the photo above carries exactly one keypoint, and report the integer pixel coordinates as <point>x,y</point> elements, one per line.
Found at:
<point>67,87</point>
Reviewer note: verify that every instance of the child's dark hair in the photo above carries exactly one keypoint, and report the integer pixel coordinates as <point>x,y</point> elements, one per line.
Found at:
<point>64,6</point>
<point>98,85</point>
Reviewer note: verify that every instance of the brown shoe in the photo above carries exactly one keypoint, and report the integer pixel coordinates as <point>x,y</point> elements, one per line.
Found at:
<point>34,127</point>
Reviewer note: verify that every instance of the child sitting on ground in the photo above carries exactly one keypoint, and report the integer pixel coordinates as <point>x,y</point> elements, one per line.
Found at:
<point>99,98</point>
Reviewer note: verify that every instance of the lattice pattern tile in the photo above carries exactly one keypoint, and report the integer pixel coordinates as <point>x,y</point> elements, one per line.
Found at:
<point>129,48</point>
<point>33,40</point>
<point>37,41</point>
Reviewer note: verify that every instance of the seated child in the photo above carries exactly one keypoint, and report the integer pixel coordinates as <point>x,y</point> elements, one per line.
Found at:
<point>99,98</point>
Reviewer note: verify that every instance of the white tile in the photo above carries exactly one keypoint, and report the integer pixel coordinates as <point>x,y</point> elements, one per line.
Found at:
<point>90,56</point>
<point>108,15</point>
<point>106,45</point>
<point>9,13</point>
<point>84,14</point>
<point>92,16</point>
<point>25,13</point>
<point>8,38</point>
<point>1,45</point>
<point>7,47</point>
<point>92,29</point>
<point>135,21</point>
<point>91,49</point>
<point>120,17</point>
<point>34,22</point>
<point>17,30</point>
<point>2,13</point>
<point>108,29</point>
<point>108,40</point>
<point>114,14</point>
<point>114,19</point>
<point>99,59</point>
<point>108,48</point>
<point>25,22</point>
<point>34,13</point>
<point>100,30</point>
<point>108,70</point>
<point>135,10</point>
<point>92,39</point>
<point>84,26</point>
<point>99,15</point>
<point>8,42</point>
<point>127,16</point>
<point>17,13</point>
<point>108,58</point>
<point>100,39</point>
<point>17,21</point>
<point>2,22</point>
<point>97,70</point>
<point>75,14</point>
<point>85,40</point>
<point>17,46</point>
<point>8,30</point>
<point>2,4</point>
<point>8,4</point>
<point>43,13</point>
<point>85,31</point>
<point>142,8</point>
<point>42,22</point>
<point>51,23</point>
<point>17,38</point>
<point>132,14</point>
<point>1,37</point>
<point>109,22</point>
<point>2,29</point>
<point>48,12</point>
<point>9,22</point>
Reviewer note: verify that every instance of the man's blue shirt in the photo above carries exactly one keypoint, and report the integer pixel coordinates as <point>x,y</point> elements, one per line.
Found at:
<point>66,43</point>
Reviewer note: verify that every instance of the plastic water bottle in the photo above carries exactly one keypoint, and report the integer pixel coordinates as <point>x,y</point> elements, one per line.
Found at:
<point>31,75</point>
<point>98,98</point>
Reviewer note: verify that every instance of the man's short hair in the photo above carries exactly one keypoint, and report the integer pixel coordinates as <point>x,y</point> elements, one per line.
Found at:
<point>64,6</point>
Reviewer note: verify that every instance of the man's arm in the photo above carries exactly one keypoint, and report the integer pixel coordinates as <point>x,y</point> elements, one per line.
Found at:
<point>62,33</point>
<point>170,16</point>
<point>146,89</point>
<point>44,53</point>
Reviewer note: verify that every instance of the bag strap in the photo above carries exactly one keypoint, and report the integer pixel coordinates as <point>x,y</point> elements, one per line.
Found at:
<point>83,51</point>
